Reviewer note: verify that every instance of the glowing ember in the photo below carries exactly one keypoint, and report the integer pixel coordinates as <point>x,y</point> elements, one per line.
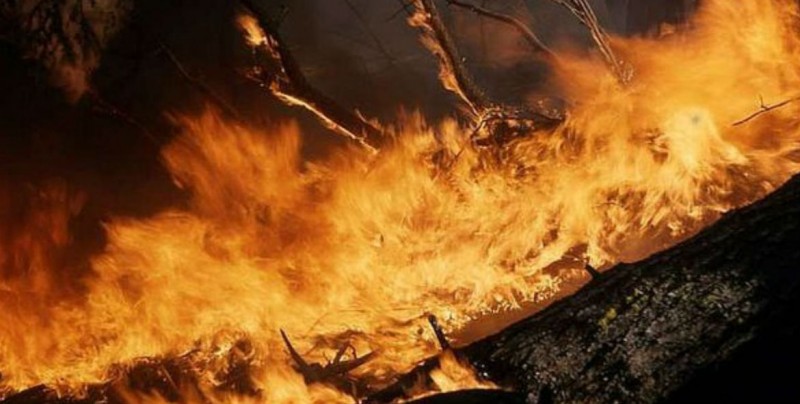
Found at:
<point>360,247</point>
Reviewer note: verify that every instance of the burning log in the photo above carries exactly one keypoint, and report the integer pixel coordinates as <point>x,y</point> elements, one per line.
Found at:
<point>643,331</point>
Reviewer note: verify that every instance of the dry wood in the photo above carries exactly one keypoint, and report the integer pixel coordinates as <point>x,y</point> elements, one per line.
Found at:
<point>284,78</point>
<point>494,125</point>
<point>453,74</point>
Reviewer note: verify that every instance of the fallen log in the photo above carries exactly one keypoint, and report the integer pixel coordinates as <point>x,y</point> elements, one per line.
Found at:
<point>641,332</point>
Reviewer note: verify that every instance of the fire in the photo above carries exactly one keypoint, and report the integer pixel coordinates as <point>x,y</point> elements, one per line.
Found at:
<point>359,248</point>
<point>252,32</point>
<point>454,375</point>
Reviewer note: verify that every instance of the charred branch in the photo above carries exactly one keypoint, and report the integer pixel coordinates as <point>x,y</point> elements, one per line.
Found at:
<point>100,105</point>
<point>334,373</point>
<point>530,37</point>
<point>494,125</point>
<point>453,74</point>
<point>437,329</point>
<point>283,77</point>
<point>592,271</point>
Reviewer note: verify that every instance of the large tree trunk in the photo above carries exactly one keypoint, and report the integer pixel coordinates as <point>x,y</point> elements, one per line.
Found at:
<point>642,331</point>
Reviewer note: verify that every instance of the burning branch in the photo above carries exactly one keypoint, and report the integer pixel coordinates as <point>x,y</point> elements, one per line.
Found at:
<point>282,76</point>
<point>497,123</point>
<point>583,11</point>
<point>764,108</point>
<point>452,72</point>
<point>440,336</point>
<point>529,36</point>
<point>333,373</point>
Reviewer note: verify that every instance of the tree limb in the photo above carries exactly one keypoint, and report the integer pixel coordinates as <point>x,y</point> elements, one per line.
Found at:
<point>283,78</point>
<point>452,72</point>
<point>198,84</point>
<point>583,11</point>
<point>764,108</point>
<point>530,37</point>
<point>368,28</point>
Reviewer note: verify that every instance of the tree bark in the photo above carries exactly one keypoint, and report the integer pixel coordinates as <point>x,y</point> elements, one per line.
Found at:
<point>644,330</point>
<point>658,330</point>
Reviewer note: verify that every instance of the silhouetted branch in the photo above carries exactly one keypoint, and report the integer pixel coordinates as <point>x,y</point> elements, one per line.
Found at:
<point>286,81</point>
<point>368,28</point>
<point>529,36</point>
<point>198,84</point>
<point>583,11</point>
<point>764,109</point>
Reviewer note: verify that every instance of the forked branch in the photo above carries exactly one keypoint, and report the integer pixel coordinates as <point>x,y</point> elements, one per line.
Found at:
<point>764,108</point>
<point>282,76</point>
<point>583,11</point>
<point>495,124</point>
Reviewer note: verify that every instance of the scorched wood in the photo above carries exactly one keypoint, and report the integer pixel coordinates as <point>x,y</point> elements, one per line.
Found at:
<point>641,331</point>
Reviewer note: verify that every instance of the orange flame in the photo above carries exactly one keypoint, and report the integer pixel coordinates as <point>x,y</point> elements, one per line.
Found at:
<point>253,33</point>
<point>361,248</point>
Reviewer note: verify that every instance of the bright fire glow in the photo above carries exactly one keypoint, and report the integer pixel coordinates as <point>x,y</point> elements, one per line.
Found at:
<point>361,247</point>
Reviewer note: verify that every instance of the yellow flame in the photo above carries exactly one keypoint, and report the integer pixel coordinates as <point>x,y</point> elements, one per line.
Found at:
<point>454,375</point>
<point>253,33</point>
<point>360,248</point>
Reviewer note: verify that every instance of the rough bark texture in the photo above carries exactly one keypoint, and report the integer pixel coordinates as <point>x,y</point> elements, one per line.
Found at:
<point>644,330</point>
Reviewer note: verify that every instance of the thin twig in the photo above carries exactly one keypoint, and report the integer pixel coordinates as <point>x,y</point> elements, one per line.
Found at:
<point>764,108</point>
<point>583,11</point>
<point>368,28</point>
<point>198,84</point>
<point>529,36</point>
<point>101,105</point>
<point>404,7</point>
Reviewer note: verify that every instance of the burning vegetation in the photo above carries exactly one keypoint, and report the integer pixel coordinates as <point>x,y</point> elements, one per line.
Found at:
<point>286,279</point>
